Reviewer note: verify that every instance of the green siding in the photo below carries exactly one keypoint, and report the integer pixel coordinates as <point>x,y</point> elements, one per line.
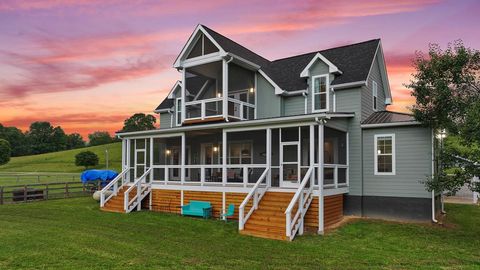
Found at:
<point>165,120</point>
<point>293,105</point>
<point>268,104</point>
<point>413,147</point>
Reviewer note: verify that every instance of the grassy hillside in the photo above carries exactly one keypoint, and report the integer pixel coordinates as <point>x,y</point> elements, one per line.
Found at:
<point>64,161</point>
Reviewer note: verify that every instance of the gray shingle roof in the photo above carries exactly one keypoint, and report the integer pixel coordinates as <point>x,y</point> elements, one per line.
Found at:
<point>387,117</point>
<point>167,103</point>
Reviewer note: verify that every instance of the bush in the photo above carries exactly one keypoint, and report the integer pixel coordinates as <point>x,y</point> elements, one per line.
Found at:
<point>86,159</point>
<point>5,151</point>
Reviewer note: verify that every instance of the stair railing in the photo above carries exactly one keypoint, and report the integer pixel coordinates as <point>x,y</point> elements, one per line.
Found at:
<point>143,188</point>
<point>300,203</point>
<point>256,193</point>
<point>112,188</point>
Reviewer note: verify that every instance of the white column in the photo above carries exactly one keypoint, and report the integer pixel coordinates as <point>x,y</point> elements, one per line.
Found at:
<point>124,153</point>
<point>224,157</point>
<point>321,205</point>
<point>182,168</point>
<point>269,156</point>
<point>151,159</point>
<point>183,95</point>
<point>225,88</point>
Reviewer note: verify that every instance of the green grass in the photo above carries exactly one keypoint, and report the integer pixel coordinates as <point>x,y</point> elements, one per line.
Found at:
<point>64,161</point>
<point>74,234</point>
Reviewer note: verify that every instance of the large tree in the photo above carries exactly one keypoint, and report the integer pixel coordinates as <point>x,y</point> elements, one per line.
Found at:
<point>99,138</point>
<point>139,122</point>
<point>75,141</point>
<point>446,86</point>
<point>17,140</point>
<point>44,138</point>
<point>5,151</point>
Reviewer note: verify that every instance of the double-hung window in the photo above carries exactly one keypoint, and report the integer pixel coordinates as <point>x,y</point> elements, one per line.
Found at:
<point>374,94</point>
<point>178,111</point>
<point>384,154</point>
<point>320,87</point>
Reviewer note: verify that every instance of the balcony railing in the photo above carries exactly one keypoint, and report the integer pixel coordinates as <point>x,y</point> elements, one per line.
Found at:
<point>213,107</point>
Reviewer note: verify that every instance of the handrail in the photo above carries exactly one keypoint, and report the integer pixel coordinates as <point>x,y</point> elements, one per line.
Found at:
<point>193,102</point>
<point>114,184</point>
<point>140,190</point>
<point>257,197</point>
<point>304,203</point>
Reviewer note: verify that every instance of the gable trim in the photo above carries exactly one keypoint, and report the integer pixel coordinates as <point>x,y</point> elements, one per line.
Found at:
<point>170,94</point>
<point>278,90</point>
<point>331,67</point>
<point>191,40</point>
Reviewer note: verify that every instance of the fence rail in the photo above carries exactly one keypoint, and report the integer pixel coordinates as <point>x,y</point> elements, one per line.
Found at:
<point>14,178</point>
<point>36,192</point>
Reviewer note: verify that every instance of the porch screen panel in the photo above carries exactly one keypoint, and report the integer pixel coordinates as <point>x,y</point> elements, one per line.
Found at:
<point>335,147</point>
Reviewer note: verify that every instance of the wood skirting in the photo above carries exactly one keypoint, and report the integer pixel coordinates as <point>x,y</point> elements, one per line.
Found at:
<point>333,211</point>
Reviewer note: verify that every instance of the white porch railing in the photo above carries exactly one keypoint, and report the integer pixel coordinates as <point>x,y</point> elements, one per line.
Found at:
<point>113,187</point>
<point>202,109</point>
<point>256,193</point>
<point>143,188</point>
<point>300,202</point>
<point>335,182</point>
<point>243,112</point>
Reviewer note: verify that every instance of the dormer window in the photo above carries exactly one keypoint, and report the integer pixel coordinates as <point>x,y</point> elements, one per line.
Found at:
<point>320,85</point>
<point>203,46</point>
<point>374,94</point>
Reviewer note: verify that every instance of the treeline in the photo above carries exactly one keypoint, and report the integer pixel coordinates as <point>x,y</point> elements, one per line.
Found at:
<point>42,137</point>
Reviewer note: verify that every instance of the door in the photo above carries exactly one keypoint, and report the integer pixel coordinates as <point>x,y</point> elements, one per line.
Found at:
<point>290,164</point>
<point>140,162</point>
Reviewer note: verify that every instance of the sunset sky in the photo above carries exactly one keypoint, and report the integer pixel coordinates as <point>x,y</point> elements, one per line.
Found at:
<point>87,65</point>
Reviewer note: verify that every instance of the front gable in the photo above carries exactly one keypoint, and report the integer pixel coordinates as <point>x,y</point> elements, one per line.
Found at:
<point>200,44</point>
<point>331,68</point>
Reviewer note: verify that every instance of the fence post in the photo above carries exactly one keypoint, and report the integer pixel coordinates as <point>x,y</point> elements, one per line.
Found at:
<point>66,190</point>
<point>46,191</point>
<point>1,195</point>
<point>25,193</point>
<point>38,178</point>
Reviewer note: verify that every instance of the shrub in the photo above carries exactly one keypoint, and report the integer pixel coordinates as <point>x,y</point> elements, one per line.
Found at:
<point>86,159</point>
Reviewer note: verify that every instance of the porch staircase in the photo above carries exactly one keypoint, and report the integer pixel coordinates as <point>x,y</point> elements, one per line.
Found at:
<point>269,221</point>
<point>117,203</point>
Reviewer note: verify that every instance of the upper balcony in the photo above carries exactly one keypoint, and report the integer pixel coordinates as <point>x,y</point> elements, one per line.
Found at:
<point>211,87</point>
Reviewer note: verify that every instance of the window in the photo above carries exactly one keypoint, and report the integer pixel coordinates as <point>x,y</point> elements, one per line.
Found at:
<point>374,94</point>
<point>203,47</point>
<point>320,93</point>
<point>385,154</point>
<point>240,153</point>
<point>178,111</point>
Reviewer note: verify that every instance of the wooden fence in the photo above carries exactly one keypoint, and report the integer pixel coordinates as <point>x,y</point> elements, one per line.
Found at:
<point>47,191</point>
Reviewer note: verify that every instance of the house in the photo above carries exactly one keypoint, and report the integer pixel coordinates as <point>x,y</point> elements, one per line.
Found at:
<point>308,140</point>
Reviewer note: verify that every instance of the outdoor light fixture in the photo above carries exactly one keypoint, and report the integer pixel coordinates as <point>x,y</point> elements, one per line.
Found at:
<point>215,149</point>
<point>379,152</point>
<point>167,152</point>
<point>219,95</point>
<point>251,90</point>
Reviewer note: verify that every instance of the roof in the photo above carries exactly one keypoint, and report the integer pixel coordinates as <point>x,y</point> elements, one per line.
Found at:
<point>167,103</point>
<point>388,117</point>
<point>353,60</point>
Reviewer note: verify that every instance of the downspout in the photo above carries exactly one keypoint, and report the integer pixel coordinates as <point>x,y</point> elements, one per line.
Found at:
<point>304,94</point>
<point>434,220</point>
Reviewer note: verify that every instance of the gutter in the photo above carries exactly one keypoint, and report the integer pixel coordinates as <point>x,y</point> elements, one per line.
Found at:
<point>395,124</point>
<point>348,85</point>
<point>294,93</point>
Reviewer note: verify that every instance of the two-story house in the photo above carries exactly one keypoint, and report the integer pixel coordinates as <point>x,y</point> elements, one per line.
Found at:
<point>293,143</point>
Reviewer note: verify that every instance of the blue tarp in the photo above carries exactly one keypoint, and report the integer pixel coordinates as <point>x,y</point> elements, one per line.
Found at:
<point>94,175</point>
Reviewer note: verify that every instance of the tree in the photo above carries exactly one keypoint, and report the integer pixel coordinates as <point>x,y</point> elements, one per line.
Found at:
<point>17,140</point>
<point>139,122</point>
<point>44,138</point>
<point>86,159</point>
<point>75,141</point>
<point>5,151</point>
<point>446,86</point>
<point>99,138</point>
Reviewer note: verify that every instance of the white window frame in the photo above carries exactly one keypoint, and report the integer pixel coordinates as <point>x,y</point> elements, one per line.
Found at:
<point>374,96</point>
<point>376,172</point>
<point>178,111</point>
<point>327,89</point>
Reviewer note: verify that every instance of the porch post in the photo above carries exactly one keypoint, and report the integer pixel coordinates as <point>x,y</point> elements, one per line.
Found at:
<point>182,169</point>
<point>129,149</point>
<point>224,157</point>
<point>225,88</point>
<point>269,157</point>
<point>124,153</point>
<point>183,96</point>
<point>151,159</point>
<point>321,206</point>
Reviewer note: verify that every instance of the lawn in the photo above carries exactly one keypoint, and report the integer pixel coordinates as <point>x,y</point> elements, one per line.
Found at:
<point>74,234</point>
<point>57,162</point>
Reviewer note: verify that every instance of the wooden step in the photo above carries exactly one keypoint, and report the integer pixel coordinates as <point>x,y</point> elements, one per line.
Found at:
<point>264,235</point>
